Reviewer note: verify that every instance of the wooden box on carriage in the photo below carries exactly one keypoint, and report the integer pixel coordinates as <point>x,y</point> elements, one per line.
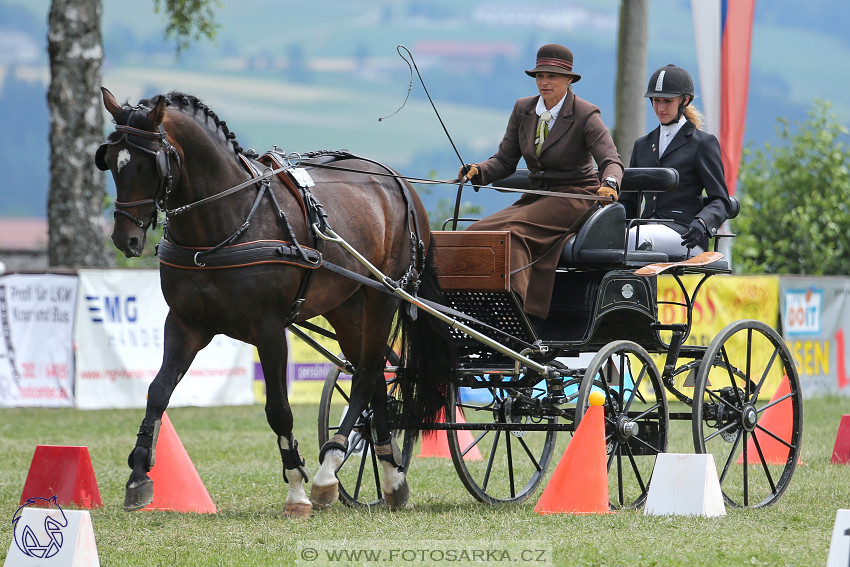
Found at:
<point>473,260</point>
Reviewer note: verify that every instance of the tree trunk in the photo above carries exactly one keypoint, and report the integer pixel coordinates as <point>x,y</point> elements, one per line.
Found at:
<point>75,204</point>
<point>631,76</point>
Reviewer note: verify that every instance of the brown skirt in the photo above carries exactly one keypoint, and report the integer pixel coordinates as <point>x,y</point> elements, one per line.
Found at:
<point>539,226</point>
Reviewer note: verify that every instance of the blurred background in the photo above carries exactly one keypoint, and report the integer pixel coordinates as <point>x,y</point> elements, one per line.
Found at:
<point>319,75</point>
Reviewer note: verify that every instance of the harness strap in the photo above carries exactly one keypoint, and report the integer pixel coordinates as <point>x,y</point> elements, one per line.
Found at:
<point>238,255</point>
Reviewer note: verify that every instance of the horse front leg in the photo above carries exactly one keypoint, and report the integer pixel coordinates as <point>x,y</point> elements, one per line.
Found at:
<point>279,415</point>
<point>181,346</point>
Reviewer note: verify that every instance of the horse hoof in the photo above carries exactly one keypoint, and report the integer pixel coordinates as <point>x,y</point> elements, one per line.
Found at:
<point>297,510</point>
<point>323,497</point>
<point>398,499</point>
<point>138,495</point>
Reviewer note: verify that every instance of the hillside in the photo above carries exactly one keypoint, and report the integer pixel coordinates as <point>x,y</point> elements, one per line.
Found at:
<point>306,78</point>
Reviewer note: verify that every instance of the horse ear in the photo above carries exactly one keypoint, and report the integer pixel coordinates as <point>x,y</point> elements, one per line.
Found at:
<point>110,103</point>
<point>157,115</point>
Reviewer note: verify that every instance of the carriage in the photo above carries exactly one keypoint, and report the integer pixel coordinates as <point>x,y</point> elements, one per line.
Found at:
<point>258,244</point>
<point>525,380</point>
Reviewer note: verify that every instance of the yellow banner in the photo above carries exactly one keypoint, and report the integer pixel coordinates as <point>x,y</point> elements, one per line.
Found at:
<point>721,300</point>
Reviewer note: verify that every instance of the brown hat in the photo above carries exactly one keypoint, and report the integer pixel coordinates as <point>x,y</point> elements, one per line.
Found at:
<point>554,58</point>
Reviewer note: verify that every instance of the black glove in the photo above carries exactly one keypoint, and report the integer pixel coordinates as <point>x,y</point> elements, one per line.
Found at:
<point>696,233</point>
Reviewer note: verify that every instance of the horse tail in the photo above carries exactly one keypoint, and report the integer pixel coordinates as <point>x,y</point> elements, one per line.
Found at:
<point>428,358</point>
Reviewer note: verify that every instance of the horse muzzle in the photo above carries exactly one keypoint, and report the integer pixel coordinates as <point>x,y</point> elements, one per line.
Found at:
<point>131,241</point>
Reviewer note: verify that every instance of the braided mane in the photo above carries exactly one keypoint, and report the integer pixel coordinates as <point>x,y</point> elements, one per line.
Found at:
<point>190,103</point>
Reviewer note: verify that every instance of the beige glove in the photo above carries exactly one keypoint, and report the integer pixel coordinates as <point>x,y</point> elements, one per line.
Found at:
<point>467,172</point>
<point>605,191</point>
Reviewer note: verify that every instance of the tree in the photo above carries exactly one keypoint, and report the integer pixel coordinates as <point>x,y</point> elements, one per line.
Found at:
<point>631,74</point>
<point>75,203</point>
<point>795,201</point>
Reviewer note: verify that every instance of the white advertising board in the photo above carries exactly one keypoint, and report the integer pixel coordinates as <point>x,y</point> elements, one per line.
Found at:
<point>119,345</point>
<point>36,353</point>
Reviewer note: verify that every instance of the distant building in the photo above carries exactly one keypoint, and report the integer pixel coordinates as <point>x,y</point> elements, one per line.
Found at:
<point>23,244</point>
<point>459,55</point>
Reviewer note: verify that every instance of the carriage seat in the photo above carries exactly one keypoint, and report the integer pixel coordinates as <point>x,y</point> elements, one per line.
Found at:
<point>601,240</point>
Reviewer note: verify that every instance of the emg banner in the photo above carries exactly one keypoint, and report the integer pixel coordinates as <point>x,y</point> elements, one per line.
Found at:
<point>119,341</point>
<point>36,355</point>
<point>814,313</point>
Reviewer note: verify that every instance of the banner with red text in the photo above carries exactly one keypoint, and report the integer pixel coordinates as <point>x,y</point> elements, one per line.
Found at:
<point>36,354</point>
<point>815,312</point>
<point>119,338</point>
<point>721,300</point>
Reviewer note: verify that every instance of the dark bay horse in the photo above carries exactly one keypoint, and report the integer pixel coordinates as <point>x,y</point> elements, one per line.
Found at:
<point>240,258</point>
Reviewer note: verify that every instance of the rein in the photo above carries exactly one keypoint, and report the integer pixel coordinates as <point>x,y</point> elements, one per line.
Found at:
<point>476,187</point>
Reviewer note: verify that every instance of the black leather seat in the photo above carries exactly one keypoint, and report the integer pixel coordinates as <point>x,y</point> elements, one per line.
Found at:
<point>601,241</point>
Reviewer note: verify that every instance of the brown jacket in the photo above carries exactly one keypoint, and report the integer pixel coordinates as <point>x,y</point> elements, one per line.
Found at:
<point>539,224</point>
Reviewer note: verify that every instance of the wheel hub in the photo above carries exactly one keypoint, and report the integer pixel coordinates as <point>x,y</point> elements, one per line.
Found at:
<point>749,417</point>
<point>627,428</point>
<point>510,417</point>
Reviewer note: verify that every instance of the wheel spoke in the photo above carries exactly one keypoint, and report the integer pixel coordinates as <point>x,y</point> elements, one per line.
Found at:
<point>630,453</point>
<point>729,458</point>
<point>764,375</point>
<point>512,462</point>
<point>342,393</point>
<point>528,452</point>
<point>490,460</point>
<point>725,407</point>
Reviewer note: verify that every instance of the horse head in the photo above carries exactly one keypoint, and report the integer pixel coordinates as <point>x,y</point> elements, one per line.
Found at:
<point>144,165</point>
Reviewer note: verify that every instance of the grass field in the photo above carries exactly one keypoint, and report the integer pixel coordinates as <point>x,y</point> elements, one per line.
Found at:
<point>234,452</point>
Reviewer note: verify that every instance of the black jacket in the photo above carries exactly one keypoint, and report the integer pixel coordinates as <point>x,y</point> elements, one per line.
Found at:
<point>696,156</point>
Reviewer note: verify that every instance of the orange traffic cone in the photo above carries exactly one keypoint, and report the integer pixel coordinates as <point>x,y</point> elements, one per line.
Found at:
<point>579,484</point>
<point>177,485</point>
<point>435,443</point>
<point>65,472</point>
<point>841,450</point>
<point>778,420</point>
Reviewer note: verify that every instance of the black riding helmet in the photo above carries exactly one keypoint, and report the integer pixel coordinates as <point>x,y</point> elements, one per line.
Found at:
<point>671,81</point>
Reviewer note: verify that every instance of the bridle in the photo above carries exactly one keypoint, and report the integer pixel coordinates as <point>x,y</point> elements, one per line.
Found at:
<point>162,158</point>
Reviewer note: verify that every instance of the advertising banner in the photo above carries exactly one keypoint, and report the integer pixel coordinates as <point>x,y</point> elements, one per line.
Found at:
<point>306,367</point>
<point>721,300</point>
<point>119,339</point>
<point>814,312</point>
<point>36,354</point>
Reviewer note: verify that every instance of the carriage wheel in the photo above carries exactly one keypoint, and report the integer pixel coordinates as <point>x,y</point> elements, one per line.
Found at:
<point>359,475</point>
<point>636,417</point>
<point>751,411</point>
<point>498,466</point>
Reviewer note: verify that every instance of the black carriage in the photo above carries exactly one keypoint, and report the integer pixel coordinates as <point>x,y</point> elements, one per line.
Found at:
<point>521,381</point>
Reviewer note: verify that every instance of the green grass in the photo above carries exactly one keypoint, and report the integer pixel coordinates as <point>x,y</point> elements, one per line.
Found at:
<point>234,452</point>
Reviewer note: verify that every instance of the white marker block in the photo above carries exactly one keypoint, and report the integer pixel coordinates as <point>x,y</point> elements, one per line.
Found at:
<point>54,537</point>
<point>685,485</point>
<point>839,547</point>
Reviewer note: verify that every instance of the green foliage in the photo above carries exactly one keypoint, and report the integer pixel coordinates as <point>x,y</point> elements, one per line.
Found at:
<point>188,20</point>
<point>446,208</point>
<point>795,197</point>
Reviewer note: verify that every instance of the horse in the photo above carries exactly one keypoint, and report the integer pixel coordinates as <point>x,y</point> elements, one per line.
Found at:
<point>240,257</point>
